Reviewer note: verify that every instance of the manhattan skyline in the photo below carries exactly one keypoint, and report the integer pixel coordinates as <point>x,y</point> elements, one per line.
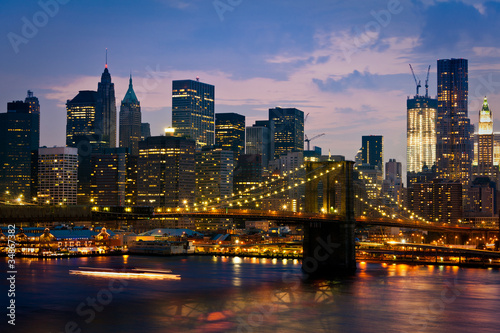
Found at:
<point>347,66</point>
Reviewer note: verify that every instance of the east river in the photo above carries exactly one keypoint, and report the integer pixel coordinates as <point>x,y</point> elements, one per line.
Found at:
<point>232,294</point>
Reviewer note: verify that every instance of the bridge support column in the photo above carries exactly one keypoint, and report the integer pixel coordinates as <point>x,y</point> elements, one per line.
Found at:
<point>329,249</point>
<point>329,246</point>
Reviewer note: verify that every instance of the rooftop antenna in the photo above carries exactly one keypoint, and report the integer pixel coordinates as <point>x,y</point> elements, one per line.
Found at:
<point>415,78</point>
<point>427,83</point>
<point>106,58</point>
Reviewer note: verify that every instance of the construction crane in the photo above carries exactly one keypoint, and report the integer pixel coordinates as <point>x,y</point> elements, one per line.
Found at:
<point>427,83</point>
<point>415,78</point>
<point>309,140</point>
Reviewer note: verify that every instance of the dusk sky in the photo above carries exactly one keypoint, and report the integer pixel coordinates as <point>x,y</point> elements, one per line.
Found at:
<point>343,62</point>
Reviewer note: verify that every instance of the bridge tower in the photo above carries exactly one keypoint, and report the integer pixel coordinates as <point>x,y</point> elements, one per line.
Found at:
<point>329,247</point>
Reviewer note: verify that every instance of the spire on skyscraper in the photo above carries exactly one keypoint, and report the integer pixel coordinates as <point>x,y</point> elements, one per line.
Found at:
<point>130,96</point>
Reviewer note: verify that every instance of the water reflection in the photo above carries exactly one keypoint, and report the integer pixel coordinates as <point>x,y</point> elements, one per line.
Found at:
<point>224,294</point>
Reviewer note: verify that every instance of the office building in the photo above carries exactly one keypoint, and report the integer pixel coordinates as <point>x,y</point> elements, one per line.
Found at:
<point>130,121</point>
<point>145,131</point>
<point>485,140</point>
<point>82,132</point>
<point>439,200</point>
<point>193,111</point>
<point>57,176</point>
<point>392,186</point>
<point>166,172</point>
<point>288,130</point>
<point>260,140</point>
<point>214,175</point>
<point>453,129</point>
<point>372,150</point>
<point>109,177</point>
<point>106,109</point>
<point>20,137</point>
<point>230,132</point>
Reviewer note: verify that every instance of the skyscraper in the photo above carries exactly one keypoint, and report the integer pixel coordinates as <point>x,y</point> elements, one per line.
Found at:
<point>372,150</point>
<point>145,131</point>
<point>193,111</point>
<point>485,142</point>
<point>288,130</point>
<point>259,140</point>
<point>109,177</point>
<point>20,139</point>
<point>166,172</point>
<point>57,175</point>
<point>130,121</point>
<point>214,174</point>
<point>106,109</point>
<point>420,133</point>
<point>230,132</point>
<point>453,128</point>
<point>82,132</point>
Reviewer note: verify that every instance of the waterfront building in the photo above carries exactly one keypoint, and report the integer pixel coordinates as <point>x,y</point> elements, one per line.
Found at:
<point>230,132</point>
<point>288,130</point>
<point>57,176</point>
<point>453,129</point>
<point>20,137</point>
<point>193,111</point>
<point>130,121</point>
<point>482,201</point>
<point>166,172</point>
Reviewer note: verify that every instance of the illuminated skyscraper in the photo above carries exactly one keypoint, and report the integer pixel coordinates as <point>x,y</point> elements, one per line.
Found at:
<point>485,141</point>
<point>288,130</point>
<point>230,132</point>
<point>130,121</point>
<point>193,111</point>
<point>82,132</point>
<point>166,172</point>
<point>420,133</point>
<point>453,129</point>
<point>20,138</point>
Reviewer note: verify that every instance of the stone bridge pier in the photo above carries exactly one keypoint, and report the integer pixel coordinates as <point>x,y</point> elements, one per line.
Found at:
<point>329,246</point>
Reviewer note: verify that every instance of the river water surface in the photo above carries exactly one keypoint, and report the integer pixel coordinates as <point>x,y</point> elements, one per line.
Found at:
<point>232,294</point>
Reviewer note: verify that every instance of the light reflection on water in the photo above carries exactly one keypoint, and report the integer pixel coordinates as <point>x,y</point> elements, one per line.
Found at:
<point>232,294</point>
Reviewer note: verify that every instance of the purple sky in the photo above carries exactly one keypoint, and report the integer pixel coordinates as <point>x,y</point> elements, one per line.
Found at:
<point>344,63</point>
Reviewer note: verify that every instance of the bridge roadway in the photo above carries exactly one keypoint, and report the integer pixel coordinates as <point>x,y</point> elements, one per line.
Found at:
<point>301,218</point>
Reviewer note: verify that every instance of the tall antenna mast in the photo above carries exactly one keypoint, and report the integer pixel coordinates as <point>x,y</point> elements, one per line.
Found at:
<point>106,58</point>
